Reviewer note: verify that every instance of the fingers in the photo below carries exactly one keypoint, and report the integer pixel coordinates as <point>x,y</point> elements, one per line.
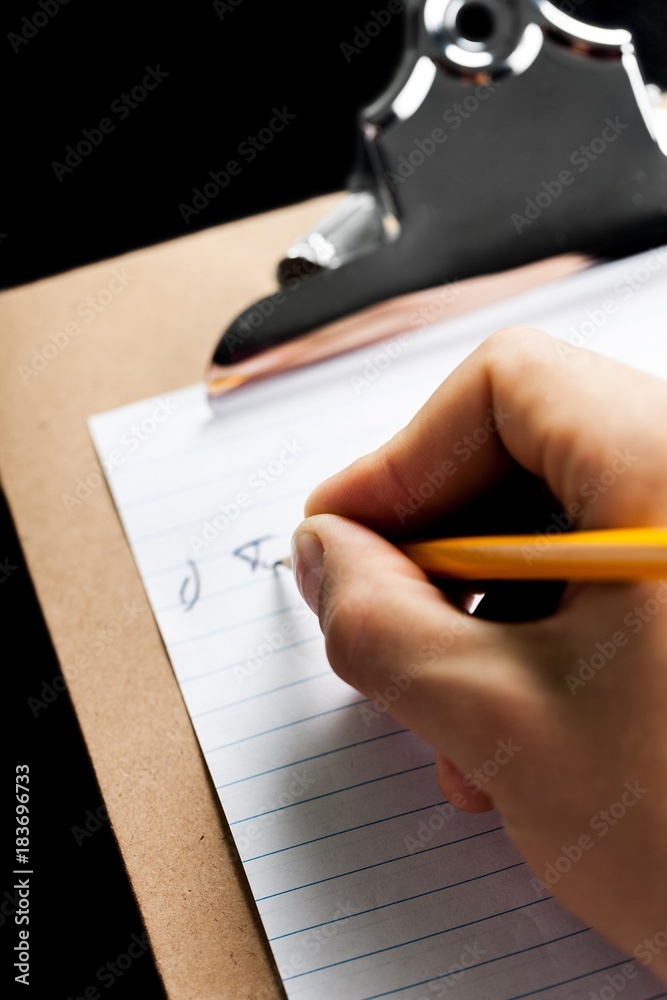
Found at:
<point>522,397</point>
<point>393,636</point>
<point>460,791</point>
<point>376,608</point>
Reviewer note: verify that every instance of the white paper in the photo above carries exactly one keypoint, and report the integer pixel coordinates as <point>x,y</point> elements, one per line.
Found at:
<point>368,884</point>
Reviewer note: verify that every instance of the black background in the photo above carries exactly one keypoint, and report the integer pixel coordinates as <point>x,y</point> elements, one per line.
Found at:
<point>226,74</point>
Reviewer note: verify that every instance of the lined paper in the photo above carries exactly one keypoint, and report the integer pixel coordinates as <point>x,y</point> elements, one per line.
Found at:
<point>369,885</point>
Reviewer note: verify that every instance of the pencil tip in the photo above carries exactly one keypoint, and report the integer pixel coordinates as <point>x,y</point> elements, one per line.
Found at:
<point>286,561</point>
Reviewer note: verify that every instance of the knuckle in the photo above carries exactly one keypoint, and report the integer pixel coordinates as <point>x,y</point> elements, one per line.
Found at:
<point>513,347</point>
<point>567,458</point>
<point>394,467</point>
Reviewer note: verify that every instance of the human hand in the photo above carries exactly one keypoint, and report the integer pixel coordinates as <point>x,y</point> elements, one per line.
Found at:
<point>579,696</point>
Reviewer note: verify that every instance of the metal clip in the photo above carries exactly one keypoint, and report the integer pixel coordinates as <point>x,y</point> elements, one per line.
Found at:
<point>511,132</point>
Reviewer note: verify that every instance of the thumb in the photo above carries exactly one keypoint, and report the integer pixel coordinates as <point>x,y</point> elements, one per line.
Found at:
<point>389,632</point>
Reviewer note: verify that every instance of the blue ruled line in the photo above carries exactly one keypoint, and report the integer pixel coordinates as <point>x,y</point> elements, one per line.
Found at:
<point>378,864</point>
<point>241,663</point>
<point>315,756</point>
<point>339,833</point>
<point>488,961</point>
<point>262,694</point>
<point>574,979</point>
<point>424,937</point>
<point>336,791</point>
<point>287,725</point>
<point>404,899</point>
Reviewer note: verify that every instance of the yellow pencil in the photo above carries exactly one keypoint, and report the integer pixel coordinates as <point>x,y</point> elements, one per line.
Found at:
<point>620,554</point>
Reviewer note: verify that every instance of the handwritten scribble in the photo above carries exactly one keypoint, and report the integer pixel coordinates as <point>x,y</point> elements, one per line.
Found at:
<point>192,578</point>
<point>253,556</point>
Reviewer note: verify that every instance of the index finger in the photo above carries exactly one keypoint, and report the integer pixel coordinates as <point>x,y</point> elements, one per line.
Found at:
<point>580,421</point>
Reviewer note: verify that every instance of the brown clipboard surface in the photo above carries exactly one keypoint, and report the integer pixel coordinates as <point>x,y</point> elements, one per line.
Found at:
<point>153,320</point>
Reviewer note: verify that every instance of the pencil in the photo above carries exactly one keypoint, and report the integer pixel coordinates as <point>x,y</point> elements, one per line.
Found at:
<point>605,556</point>
<point>620,554</point>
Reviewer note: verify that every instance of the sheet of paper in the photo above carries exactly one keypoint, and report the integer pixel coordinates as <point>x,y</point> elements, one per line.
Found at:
<point>368,884</point>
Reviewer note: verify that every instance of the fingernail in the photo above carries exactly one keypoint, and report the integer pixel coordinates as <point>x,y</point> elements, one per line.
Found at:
<point>307,560</point>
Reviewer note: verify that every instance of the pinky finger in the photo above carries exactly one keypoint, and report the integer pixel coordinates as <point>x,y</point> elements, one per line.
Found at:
<point>459,790</point>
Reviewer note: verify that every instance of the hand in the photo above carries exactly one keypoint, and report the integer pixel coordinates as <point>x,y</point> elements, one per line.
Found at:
<point>560,723</point>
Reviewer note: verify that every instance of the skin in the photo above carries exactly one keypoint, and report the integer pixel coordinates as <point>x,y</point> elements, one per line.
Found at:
<point>570,413</point>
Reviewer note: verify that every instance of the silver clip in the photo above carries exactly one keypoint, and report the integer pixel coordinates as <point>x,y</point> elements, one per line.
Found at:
<point>511,132</point>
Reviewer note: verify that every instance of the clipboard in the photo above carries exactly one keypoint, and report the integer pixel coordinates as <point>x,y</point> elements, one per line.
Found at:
<point>201,922</point>
<point>205,933</point>
<point>64,359</point>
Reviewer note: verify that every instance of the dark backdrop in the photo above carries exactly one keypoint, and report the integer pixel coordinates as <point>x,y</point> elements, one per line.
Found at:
<point>228,65</point>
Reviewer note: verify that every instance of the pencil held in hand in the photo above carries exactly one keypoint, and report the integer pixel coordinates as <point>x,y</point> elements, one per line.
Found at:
<point>616,555</point>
